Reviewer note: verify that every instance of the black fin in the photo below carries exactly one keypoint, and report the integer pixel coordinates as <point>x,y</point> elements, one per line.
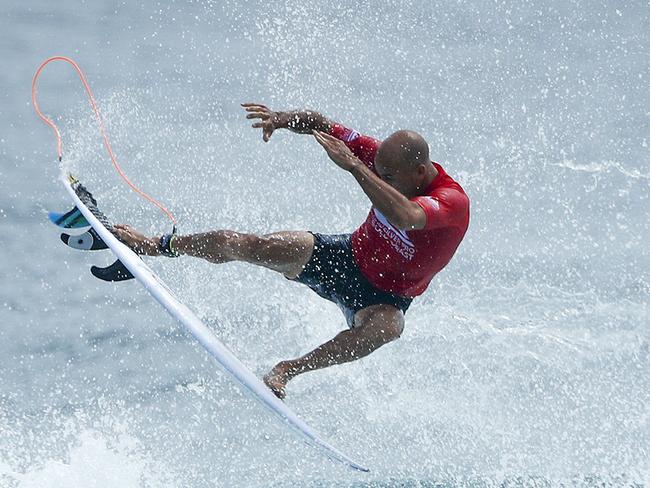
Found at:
<point>88,241</point>
<point>115,272</point>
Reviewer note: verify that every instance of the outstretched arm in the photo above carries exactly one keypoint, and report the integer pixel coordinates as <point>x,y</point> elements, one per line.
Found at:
<point>309,122</point>
<point>298,121</point>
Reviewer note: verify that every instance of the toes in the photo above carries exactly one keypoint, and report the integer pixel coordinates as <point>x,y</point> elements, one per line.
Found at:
<point>278,391</point>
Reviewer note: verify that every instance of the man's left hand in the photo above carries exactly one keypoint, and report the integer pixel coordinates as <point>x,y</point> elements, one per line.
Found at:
<point>337,151</point>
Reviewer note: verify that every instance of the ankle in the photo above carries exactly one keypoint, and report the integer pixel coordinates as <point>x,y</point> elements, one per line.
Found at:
<point>288,369</point>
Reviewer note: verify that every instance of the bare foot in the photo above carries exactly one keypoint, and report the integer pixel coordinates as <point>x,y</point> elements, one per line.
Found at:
<point>276,380</point>
<point>137,241</point>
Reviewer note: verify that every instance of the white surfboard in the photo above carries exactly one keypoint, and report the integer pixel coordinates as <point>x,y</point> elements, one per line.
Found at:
<point>226,359</point>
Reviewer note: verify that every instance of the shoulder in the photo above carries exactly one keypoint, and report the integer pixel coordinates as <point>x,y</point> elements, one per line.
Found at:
<point>457,203</point>
<point>450,201</point>
<point>449,190</point>
<point>450,194</point>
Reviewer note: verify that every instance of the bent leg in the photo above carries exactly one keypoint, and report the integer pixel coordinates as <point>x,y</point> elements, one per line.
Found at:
<point>285,252</point>
<point>374,326</point>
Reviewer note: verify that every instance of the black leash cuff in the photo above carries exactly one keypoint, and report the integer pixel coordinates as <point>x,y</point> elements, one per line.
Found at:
<point>166,245</point>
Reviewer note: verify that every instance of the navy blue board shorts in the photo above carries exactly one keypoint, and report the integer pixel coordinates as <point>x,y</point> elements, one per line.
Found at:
<point>333,273</point>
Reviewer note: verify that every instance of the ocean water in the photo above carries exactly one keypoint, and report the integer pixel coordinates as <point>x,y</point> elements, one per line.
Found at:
<point>526,363</point>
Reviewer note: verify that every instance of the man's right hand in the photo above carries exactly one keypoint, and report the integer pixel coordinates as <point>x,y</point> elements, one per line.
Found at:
<point>269,120</point>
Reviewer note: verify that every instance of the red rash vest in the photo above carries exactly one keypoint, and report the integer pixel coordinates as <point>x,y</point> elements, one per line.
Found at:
<point>399,261</point>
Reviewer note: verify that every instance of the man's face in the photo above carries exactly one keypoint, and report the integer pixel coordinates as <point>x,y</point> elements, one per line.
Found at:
<point>402,177</point>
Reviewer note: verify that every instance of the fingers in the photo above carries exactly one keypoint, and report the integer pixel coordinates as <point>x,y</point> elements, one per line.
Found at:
<point>253,105</point>
<point>266,130</point>
<point>323,135</point>
<point>328,141</point>
<point>257,108</point>
<point>321,139</point>
<point>124,232</point>
<point>259,111</point>
<point>121,229</point>
<point>327,137</point>
<point>259,115</point>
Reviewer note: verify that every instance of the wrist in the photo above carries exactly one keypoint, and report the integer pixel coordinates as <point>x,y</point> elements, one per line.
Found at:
<point>282,120</point>
<point>356,167</point>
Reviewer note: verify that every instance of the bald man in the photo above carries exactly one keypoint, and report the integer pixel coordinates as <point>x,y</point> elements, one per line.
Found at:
<point>418,218</point>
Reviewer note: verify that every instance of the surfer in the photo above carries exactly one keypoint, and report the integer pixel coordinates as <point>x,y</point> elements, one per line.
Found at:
<point>418,218</point>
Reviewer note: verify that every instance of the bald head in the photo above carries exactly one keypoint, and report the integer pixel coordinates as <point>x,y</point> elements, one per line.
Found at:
<point>406,147</point>
<point>402,161</point>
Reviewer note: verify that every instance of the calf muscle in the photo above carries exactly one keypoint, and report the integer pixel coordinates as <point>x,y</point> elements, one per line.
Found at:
<point>375,326</point>
<point>285,252</point>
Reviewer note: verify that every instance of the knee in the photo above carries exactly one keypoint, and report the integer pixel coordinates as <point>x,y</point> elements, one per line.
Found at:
<point>391,332</point>
<point>386,325</point>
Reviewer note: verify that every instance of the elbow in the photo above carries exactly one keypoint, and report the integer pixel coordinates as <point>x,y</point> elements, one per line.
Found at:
<point>411,217</point>
<point>397,216</point>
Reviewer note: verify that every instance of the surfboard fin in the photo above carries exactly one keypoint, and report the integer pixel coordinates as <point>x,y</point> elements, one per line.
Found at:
<point>115,272</point>
<point>88,241</point>
<point>73,219</point>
